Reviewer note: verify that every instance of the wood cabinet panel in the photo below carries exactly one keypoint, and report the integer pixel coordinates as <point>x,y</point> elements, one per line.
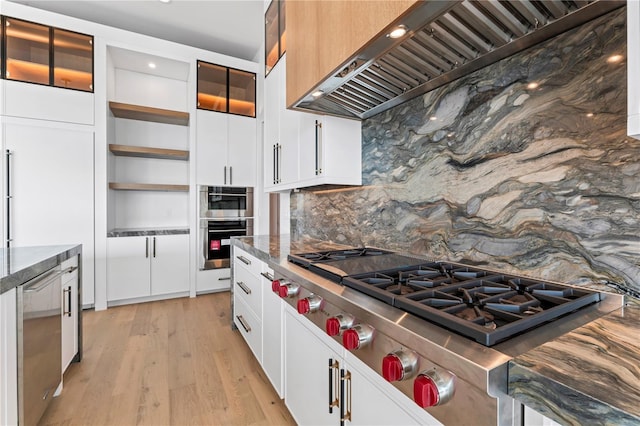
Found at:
<point>324,34</point>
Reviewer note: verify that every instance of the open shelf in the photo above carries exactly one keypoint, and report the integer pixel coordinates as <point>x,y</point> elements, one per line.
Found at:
<point>147,187</point>
<point>148,152</point>
<point>143,113</point>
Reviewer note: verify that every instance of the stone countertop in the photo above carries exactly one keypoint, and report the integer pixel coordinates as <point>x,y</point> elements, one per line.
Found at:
<point>147,232</point>
<point>20,264</point>
<point>588,376</point>
<point>275,249</point>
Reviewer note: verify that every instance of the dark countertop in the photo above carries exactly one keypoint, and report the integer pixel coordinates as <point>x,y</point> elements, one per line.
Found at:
<point>588,376</point>
<point>147,232</point>
<point>20,264</point>
<point>276,249</point>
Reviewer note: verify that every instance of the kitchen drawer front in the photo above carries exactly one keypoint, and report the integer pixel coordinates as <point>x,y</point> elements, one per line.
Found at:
<point>250,327</point>
<point>247,286</point>
<point>247,261</point>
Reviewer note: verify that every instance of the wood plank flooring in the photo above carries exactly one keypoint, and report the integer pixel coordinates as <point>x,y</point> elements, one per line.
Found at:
<point>172,362</point>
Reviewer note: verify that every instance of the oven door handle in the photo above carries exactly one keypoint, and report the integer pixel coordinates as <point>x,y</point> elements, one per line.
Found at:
<point>217,231</point>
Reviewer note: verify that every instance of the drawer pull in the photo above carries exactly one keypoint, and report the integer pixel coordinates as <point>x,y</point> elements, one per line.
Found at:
<point>243,324</point>
<point>267,275</point>
<point>70,269</point>
<point>224,279</point>
<point>244,260</point>
<point>244,288</point>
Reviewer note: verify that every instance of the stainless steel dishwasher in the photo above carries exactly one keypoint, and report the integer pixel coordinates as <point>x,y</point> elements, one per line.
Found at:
<point>39,344</point>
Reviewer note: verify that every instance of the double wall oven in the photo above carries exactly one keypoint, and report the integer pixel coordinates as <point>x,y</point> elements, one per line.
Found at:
<point>225,212</point>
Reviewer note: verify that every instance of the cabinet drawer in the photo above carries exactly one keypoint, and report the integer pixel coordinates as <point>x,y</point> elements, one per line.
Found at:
<point>246,286</point>
<point>250,262</point>
<point>250,327</point>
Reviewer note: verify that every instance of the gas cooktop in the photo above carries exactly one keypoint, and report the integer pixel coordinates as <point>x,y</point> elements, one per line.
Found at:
<point>483,305</point>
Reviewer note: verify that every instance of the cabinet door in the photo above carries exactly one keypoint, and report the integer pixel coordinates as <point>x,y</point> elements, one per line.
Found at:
<point>128,270</point>
<point>51,174</point>
<point>69,312</point>
<point>289,125</point>
<point>272,97</point>
<point>307,374</point>
<point>341,150</point>
<point>211,147</point>
<point>8,359</point>
<point>310,139</point>
<point>272,349</point>
<point>242,148</point>
<point>169,264</point>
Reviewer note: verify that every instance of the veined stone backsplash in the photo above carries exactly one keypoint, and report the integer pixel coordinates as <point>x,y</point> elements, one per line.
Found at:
<point>490,170</point>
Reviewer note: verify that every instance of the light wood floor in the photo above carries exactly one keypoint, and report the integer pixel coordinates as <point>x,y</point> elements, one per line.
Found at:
<point>172,362</point>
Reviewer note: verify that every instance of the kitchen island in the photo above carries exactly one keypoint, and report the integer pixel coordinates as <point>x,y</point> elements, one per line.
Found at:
<point>21,265</point>
<point>490,391</point>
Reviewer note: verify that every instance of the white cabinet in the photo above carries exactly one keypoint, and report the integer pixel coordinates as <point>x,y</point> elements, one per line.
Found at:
<point>633,68</point>
<point>272,322</point>
<point>50,171</point>
<point>210,280</point>
<point>8,359</point>
<point>247,299</point>
<point>303,149</point>
<point>70,313</point>
<point>226,149</point>
<point>147,266</point>
<point>313,361</point>
<point>533,418</point>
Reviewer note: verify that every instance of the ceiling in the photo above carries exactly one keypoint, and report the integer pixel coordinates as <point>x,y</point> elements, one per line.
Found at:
<point>230,27</point>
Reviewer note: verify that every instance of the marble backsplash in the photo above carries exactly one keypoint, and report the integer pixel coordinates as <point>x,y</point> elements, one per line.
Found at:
<point>523,166</point>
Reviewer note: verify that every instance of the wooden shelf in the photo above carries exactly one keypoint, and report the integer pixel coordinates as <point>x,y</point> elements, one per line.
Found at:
<point>148,152</point>
<point>143,113</point>
<point>147,187</point>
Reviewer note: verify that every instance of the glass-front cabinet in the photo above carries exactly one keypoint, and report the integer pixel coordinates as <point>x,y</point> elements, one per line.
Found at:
<point>274,33</point>
<point>41,54</point>
<point>225,89</point>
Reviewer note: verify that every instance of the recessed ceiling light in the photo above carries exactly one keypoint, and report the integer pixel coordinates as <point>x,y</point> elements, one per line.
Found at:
<point>614,59</point>
<point>165,1</point>
<point>398,32</point>
<point>152,65</point>
<point>317,93</point>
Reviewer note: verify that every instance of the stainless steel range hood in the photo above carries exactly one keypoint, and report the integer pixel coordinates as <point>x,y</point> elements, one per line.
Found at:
<point>446,40</point>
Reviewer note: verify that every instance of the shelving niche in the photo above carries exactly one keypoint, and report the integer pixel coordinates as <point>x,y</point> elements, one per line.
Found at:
<point>148,141</point>
<point>155,115</point>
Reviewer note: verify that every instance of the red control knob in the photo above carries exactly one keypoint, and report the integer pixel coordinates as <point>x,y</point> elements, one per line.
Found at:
<point>433,387</point>
<point>392,369</point>
<point>303,306</point>
<point>336,324</point>
<point>288,290</point>
<point>358,336</point>
<point>283,291</point>
<point>275,286</point>
<point>332,326</point>
<point>425,392</point>
<point>350,339</point>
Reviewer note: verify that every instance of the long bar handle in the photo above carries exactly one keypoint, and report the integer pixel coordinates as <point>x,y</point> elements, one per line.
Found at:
<point>230,175</point>
<point>333,384</point>
<point>146,247</point>
<point>225,175</point>
<point>67,292</point>
<point>267,275</point>
<point>345,396</point>
<point>275,162</point>
<point>8,192</point>
<point>318,147</point>
<point>154,246</point>
<point>244,288</point>
<point>244,260</point>
<point>246,327</point>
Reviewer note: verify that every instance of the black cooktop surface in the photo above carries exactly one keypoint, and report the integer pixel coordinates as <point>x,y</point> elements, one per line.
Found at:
<point>485,306</point>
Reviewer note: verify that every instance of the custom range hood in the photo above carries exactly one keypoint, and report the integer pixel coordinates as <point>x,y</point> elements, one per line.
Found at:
<point>445,41</point>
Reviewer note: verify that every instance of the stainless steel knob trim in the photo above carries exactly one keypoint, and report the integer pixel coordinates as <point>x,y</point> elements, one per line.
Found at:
<point>409,361</point>
<point>444,380</point>
<point>346,321</point>
<point>315,302</point>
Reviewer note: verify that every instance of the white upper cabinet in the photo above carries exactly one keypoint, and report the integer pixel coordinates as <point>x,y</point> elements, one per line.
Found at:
<point>302,149</point>
<point>633,68</point>
<point>226,149</point>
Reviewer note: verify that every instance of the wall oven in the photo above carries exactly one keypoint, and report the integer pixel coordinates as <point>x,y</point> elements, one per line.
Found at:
<point>225,212</point>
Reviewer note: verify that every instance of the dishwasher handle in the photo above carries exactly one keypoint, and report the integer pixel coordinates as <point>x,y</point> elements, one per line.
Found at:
<point>41,281</point>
